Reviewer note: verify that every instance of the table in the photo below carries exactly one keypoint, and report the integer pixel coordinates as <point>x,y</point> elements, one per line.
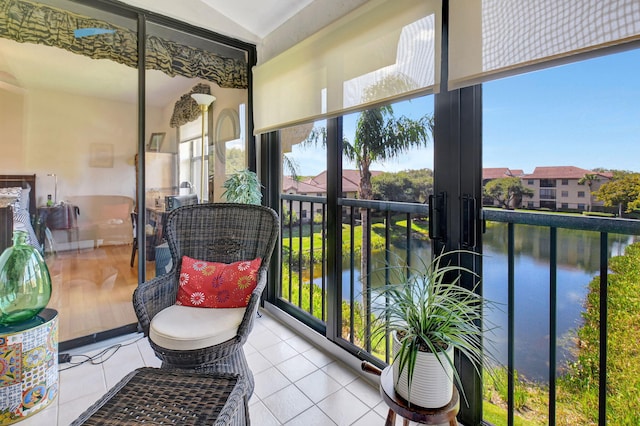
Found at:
<point>162,396</point>
<point>398,405</point>
<point>157,219</point>
<point>28,366</point>
<point>63,217</point>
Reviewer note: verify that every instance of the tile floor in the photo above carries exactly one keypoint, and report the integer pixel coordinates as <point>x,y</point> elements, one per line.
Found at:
<point>296,383</point>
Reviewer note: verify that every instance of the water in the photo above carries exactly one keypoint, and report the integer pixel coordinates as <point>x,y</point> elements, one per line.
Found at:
<point>578,263</point>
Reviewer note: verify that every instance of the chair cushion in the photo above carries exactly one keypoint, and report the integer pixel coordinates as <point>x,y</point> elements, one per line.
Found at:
<point>217,285</point>
<point>186,328</point>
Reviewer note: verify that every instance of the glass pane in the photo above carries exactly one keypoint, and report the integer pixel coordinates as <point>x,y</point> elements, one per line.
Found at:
<point>73,123</point>
<point>569,134</point>
<point>190,164</point>
<point>304,186</point>
<point>388,156</point>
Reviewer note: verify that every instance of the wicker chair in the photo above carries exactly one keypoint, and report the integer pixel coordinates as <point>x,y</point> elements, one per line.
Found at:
<point>220,232</point>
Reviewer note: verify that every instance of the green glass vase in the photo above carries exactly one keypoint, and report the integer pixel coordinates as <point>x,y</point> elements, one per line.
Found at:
<point>25,283</point>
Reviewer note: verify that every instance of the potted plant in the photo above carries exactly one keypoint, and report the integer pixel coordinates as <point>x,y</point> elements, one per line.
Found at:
<point>429,316</point>
<point>243,187</point>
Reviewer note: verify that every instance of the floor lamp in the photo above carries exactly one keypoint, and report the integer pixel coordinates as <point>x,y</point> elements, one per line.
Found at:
<point>204,101</point>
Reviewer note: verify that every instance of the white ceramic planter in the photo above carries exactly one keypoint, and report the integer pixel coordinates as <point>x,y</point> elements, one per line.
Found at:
<point>432,384</point>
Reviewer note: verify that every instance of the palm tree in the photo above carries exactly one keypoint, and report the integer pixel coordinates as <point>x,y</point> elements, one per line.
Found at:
<point>379,136</point>
<point>589,178</point>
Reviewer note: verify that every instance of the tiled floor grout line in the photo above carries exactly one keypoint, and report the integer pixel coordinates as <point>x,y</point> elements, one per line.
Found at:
<point>339,384</point>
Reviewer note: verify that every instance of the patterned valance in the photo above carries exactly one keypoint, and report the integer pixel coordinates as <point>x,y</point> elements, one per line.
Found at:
<point>28,22</point>
<point>186,108</point>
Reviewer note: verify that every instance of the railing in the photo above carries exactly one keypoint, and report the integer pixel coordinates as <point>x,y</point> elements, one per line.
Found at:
<point>604,226</point>
<point>302,263</point>
<point>293,285</point>
<point>402,225</point>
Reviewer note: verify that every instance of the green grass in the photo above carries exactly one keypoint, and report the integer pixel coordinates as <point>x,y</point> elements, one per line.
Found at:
<point>398,229</point>
<point>579,388</point>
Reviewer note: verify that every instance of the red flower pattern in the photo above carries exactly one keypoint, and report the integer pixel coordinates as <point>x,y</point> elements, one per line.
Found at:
<point>217,285</point>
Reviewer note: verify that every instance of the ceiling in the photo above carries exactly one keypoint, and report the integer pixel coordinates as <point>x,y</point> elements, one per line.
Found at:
<point>21,64</point>
<point>258,17</point>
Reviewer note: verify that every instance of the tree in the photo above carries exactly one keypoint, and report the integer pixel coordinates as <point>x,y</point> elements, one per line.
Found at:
<point>588,179</point>
<point>234,160</point>
<point>379,136</point>
<point>508,191</point>
<point>623,192</point>
<point>409,186</point>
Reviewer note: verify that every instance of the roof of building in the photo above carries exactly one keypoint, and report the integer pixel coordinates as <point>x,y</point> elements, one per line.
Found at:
<point>500,172</point>
<point>350,179</point>
<point>301,187</point>
<point>560,172</point>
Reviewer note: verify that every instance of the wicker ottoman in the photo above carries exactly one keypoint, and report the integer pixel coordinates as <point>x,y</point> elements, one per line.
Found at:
<point>157,396</point>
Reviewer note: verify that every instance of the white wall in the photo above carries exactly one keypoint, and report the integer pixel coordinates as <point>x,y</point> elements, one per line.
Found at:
<point>58,132</point>
<point>46,132</point>
<point>12,148</point>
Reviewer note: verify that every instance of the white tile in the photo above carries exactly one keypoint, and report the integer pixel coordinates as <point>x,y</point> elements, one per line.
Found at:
<point>318,385</point>
<point>365,392</point>
<point>261,416</point>
<point>296,368</point>
<point>254,399</point>
<point>312,417</point>
<point>266,320</point>
<point>383,410</point>
<point>340,372</point>
<point>263,338</point>
<point>279,352</point>
<point>120,361</point>
<point>258,363</point>
<point>298,343</point>
<point>277,360</point>
<point>148,356</point>
<point>79,381</point>
<point>343,407</point>
<point>317,357</point>
<point>371,418</point>
<point>280,329</point>
<point>70,411</point>
<point>287,403</point>
<point>269,381</point>
<point>248,348</point>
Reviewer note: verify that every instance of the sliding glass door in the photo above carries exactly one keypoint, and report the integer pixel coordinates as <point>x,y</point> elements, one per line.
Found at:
<point>104,143</point>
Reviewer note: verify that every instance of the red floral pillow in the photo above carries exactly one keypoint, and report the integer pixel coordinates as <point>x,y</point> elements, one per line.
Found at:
<point>217,285</point>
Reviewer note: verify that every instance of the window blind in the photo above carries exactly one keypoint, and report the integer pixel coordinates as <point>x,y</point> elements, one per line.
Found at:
<point>495,38</point>
<point>385,49</point>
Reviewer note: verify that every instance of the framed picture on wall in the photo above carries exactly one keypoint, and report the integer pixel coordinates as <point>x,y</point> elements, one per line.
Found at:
<point>101,155</point>
<point>155,141</point>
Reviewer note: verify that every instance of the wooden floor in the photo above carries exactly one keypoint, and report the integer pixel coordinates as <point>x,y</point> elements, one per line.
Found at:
<point>92,288</point>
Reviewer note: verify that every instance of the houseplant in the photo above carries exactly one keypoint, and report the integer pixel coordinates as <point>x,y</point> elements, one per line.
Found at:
<point>429,315</point>
<point>243,187</point>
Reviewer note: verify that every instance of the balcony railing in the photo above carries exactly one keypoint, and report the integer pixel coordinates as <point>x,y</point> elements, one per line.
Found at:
<point>398,231</point>
<point>604,226</point>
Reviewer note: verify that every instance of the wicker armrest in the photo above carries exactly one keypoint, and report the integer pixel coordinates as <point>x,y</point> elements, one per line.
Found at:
<point>154,295</point>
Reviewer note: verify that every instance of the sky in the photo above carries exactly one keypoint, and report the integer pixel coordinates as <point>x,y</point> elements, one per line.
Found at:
<point>585,114</point>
